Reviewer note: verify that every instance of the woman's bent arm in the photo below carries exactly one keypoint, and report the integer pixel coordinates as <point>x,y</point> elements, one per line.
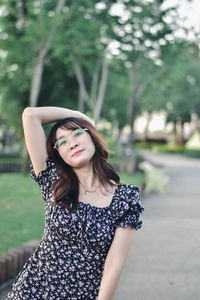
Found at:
<point>49,114</point>
<point>33,118</point>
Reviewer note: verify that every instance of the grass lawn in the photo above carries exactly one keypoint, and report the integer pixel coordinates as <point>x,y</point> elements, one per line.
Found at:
<point>22,209</point>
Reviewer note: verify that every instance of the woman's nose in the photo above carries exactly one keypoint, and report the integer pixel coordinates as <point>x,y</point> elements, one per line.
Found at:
<point>73,144</point>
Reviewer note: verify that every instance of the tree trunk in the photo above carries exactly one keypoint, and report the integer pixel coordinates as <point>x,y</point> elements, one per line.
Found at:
<point>131,155</point>
<point>37,74</point>
<point>146,130</point>
<point>119,145</point>
<point>131,166</point>
<point>36,80</point>
<point>94,101</point>
<point>135,93</point>
<point>95,80</point>
<point>81,101</point>
<point>174,132</point>
<point>179,136</point>
<point>83,95</point>
<point>35,89</point>
<point>102,89</point>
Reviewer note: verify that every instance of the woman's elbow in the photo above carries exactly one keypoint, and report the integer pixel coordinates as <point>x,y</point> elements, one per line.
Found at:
<point>27,112</point>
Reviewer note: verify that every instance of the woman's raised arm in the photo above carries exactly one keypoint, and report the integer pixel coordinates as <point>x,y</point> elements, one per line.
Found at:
<point>33,118</point>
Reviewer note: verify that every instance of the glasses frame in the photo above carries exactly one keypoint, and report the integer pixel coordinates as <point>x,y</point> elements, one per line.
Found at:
<point>56,143</point>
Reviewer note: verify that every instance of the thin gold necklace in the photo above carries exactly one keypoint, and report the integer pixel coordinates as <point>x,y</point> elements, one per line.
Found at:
<point>86,190</point>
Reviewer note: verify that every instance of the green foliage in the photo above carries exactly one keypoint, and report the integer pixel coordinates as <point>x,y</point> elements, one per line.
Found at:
<point>176,91</point>
<point>135,179</point>
<point>169,148</point>
<point>7,159</point>
<point>83,32</point>
<point>179,87</point>
<point>179,150</point>
<point>115,106</point>
<point>58,87</point>
<point>143,28</point>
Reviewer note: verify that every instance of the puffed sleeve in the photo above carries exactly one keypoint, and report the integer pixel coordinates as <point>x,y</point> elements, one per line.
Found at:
<point>46,177</point>
<point>130,208</point>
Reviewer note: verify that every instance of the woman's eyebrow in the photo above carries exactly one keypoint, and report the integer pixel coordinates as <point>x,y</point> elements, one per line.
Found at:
<point>62,136</point>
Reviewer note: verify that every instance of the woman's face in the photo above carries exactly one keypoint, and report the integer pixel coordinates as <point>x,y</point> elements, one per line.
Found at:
<point>70,142</point>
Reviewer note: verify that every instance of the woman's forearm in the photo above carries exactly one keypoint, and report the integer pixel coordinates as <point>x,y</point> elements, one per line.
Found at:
<point>49,114</point>
<point>109,283</point>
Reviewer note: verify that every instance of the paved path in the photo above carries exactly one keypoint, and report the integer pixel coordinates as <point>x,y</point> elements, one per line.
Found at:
<point>164,261</point>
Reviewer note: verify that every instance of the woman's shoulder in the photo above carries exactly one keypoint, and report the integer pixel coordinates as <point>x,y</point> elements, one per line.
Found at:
<point>48,174</point>
<point>127,195</point>
<point>127,202</point>
<point>128,188</point>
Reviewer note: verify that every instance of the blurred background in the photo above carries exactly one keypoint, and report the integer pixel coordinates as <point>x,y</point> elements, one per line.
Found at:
<point>132,66</point>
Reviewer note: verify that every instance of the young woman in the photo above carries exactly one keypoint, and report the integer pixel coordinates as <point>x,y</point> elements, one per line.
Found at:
<point>90,218</point>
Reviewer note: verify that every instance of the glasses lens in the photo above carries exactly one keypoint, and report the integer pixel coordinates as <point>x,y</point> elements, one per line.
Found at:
<point>76,133</point>
<point>60,143</point>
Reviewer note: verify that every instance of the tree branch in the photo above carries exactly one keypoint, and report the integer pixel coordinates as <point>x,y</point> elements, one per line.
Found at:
<point>95,79</point>
<point>53,29</point>
<point>102,88</point>
<point>41,17</point>
<point>38,70</point>
<point>143,85</point>
<point>80,79</point>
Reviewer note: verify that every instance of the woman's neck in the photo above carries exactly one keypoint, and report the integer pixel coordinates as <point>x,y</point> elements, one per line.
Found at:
<point>87,177</point>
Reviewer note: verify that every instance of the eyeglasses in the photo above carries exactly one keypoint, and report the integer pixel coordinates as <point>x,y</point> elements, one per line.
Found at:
<point>75,134</point>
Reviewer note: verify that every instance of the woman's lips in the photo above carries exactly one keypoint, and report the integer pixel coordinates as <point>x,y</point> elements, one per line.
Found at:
<point>77,153</point>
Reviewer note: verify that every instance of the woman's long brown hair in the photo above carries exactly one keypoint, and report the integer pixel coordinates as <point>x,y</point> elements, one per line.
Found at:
<point>66,188</point>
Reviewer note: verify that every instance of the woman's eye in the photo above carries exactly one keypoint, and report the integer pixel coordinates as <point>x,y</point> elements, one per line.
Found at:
<point>63,142</point>
<point>79,133</point>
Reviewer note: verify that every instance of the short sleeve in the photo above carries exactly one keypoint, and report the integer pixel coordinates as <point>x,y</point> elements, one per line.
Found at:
<point>130,208</point>
<point>46,177</point>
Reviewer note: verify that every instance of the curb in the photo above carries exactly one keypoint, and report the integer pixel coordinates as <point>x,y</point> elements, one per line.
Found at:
<point>12,262</point>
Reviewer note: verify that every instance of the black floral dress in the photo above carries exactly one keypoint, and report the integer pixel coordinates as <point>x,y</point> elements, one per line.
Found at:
<point>69,260</point>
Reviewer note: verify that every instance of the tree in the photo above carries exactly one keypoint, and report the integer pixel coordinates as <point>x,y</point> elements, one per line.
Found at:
<point>140,35</point>
<point>180,87</point>
<point>85,45</point>
<point>114,108</point>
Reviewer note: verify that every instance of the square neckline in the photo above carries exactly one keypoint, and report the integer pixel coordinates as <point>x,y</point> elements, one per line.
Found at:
<point>99,207</point>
